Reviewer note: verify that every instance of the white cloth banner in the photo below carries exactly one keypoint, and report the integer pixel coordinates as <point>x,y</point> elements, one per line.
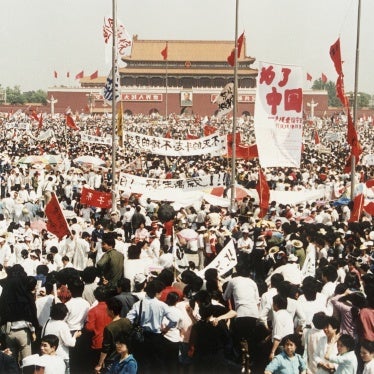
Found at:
<point>279,115</point>
<point>144,185</point>
<point>224,261</point>
<point>17,125</point>
<point>96,139</point>
<point>214,145</point>
<point>45,135</point>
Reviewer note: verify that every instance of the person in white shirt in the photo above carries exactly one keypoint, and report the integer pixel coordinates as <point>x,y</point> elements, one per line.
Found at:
<point>44,304</point>
<point>367,356</point>
<point>245,243</point>
<point>54,364</point>
<point>329,277</point>
<point>282,323</point>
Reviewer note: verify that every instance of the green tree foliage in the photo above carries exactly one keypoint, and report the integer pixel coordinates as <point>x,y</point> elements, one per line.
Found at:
<point>16,97</point>
<point>362,97</point>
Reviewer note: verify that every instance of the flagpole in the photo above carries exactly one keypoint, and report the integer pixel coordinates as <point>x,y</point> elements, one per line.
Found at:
<point>166,83</point>
<point>114,144</point>
<point>233,157</point>
<point>353,157</point>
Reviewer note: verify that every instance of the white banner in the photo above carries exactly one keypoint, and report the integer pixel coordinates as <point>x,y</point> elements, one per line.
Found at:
<point>214,145</point>
<point>45,135</point>
<point>96,139</point>
<point>17,125</point>
<point>145,185</point>
<point>279,115</point>
<point>224,261</point>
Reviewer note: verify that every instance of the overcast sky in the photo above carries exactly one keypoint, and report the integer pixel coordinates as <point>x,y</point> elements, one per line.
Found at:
<point>38,37</point>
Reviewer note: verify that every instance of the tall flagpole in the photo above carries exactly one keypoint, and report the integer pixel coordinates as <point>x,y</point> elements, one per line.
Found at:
<point>353,157</point>
<point>114,143</point>
<point>166,82</point>
<point>233,157</point>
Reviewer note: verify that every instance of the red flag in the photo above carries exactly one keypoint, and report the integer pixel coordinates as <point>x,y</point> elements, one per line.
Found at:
<point>263,191</point>
<point>80,75</point>
<point>209,130</point>
<point>316,137</point>
<point>324,78</point>
<point>308,77</point>
<point>70,122</point>
<point>231,57</point>
<point>55,74</point>
<point>56,223</point>
<point>96,198</point>
<point>164,52</point>
<point>40,121</point>
<point>358,204</point>
<point>352,138</point>
<point>94,75</point>
<point>336,57</point>
<point>67,75</point>
<point>34,115</point>
<point>230,138</point>
<point>246,152</point>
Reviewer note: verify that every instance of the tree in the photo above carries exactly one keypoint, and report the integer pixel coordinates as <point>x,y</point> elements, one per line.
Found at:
<point>363,99</point>
<point>16,97</point>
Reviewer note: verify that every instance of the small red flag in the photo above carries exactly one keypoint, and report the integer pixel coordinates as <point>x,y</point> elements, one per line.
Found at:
<point>70,122</point>
<point>67,75</point>
<point>164,52</point>
<point>56,223</point>
<point>55,74</point>
<point>316,137</point>
<point>358,204</point>
<point>80,75</point>
<point>263,191</point>
<point>231,57</point>
<point>324,78</point>
<point>308,77</point>
<point>34,115</point>
<point>94,75</point>
<point>96,198</point>
<point>40,125</point>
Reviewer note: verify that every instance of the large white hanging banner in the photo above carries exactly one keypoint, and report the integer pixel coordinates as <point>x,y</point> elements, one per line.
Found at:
<point>214,145</point>
<point>279,115</point>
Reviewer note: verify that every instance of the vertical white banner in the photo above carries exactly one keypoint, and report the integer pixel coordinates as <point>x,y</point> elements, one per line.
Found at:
<point>279,115</point>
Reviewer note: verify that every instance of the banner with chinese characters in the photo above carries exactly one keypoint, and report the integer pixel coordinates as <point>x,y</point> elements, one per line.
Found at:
<point>144,185</point>
<point>278,115</point>
<point>96,139</point>
<point>96,198</point>
<point>214,145</point>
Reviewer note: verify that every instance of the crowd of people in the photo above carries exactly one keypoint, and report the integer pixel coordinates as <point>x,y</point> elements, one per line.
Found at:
<point>298,298</point>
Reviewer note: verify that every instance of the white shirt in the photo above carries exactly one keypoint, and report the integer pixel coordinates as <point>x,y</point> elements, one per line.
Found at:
<point>246,297</point>
<point>43,308</point>
<point>282,324</point>
<point>54,364</point>
<point>78,309</point>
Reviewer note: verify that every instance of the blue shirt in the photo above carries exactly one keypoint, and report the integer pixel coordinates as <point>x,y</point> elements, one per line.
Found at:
<point>282,364</point>
<point>347,363</point>
<point>153,312</point>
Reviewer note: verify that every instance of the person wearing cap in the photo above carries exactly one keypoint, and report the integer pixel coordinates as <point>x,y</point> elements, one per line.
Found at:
<point>111,263</point>
<point>298,249</point>
<point>291,271</point>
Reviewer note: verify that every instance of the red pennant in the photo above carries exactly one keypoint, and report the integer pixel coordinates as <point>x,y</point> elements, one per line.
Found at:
<point>358,204</point>
<point>231,57</point>
<point>324,78</point>
<point>94,75</point>
<point>55,74</point>
<point>308,77</point>
<point>80,75</point>
<point>56,223</point>
<point>263,191</point>
<point>164,52</point>
<point>96,198</point>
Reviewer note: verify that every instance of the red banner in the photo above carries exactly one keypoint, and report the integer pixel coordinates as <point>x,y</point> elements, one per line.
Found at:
<point>96,198</point>
<point>56,223</point>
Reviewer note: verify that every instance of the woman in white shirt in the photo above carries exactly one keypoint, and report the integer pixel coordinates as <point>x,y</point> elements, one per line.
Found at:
<point>367,355</point>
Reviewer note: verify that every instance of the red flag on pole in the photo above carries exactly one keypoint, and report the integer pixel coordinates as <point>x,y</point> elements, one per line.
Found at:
<point>55,74</point>
<point>40,125</point>
<point>94,75</point>
<point>80,75</point>
<point>263,191</point>
<point>164,52</point>
<point>324,78</point>
<point>231,57</point>
<point>70,122</point>
<point>308,77</point>
<point>336,57</point>
<point>358,204</point>
<point>56,223</point>
<point>96,198</point>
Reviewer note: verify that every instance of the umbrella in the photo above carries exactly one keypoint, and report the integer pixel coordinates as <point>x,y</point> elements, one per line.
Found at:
<point>40,159</point>
<point>188,234</point>
<point>92,160</point>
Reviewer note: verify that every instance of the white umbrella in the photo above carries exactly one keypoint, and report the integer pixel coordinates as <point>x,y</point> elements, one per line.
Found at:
<point>92,160</point>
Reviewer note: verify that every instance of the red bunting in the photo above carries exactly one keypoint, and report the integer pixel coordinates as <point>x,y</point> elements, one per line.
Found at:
<point>56,223</point>
<point>96,198</point>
